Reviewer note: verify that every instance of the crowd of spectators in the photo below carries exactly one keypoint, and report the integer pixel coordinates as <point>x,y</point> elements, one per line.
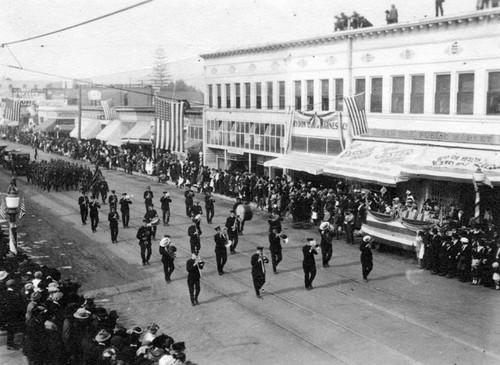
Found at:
<point>60,326</point>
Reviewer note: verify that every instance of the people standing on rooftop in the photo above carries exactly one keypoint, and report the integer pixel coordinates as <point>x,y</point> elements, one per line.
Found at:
<point>439,7</point>
<point>391,15</point>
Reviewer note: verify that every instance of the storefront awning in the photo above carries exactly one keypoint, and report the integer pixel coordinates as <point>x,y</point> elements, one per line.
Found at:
<point>114,132</point>
<point>193,147</point>
<point>139,134</point>
<point>90,129</point>
<point>453,164</point>
<point>312,164</point>
<point>391,163</point>
<point>373,162</point>
<point>51,124</point>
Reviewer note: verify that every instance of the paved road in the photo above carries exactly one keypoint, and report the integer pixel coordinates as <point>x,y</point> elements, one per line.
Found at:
<point>402,316</point>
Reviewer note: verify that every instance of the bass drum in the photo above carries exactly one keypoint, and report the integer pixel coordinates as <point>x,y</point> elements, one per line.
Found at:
<point>244,212</point>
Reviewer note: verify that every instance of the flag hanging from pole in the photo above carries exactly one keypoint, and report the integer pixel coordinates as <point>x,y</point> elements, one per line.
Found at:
<point>22,210</point>
<point>13,110</point>
<point>109,109</point>
<point>356,109</point>
<point>3,213</point>
<point>169,125</point>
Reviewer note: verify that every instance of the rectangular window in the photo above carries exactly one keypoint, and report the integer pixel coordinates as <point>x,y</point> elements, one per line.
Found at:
<point>238,95</point>
<point>398,94</point>
<point>258,95</point>
<point>376,95</point>
<point>339,95</point>
<point>317,146</point>
<point>417,94</point>
<point>282,95</point>
<point>248,94</point>
<point>228,96</point>
<point>465,95</point>
<point>493,106</point>
<point>310,94</point>
<point>325,96</point>
<point>219,96</point>
<point>359,86</point>
<point>269,95</point>
<point>210,96</point>
<point>298,95</point>
<point>299,144</point>
<point>442,102</point>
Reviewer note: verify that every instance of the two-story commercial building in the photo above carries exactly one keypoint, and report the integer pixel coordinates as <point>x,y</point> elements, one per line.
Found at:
<point>431,94</point>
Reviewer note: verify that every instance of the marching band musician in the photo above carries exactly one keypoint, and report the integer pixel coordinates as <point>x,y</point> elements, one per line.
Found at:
<point>196,213</point>
<point>125,209</point>
<point>113,219</point>
<point>194,266</point>
<point>309,263</point>
<point>148,197</point>
<point>113,200</point>
<point>165,201</point>
<point>258,262</point>
<point>83,202</point>
<point>168,253</point>
<point>150,215</point>
<point>326,232</point>
<point>194,239</point>
<point>232,230</point>
<point>144,237</point>
<point>221,240</point>
<point>94,213</point>
<point>366,257</point>
<point>188,201</point>
<point>209,205</point>
<point>275,248</point>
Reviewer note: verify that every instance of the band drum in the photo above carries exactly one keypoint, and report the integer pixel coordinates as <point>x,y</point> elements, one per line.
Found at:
<point>244,212</point>
<point>155,221</point>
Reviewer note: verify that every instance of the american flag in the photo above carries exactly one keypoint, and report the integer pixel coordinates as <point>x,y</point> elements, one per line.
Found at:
<point>356,109</point>
<point>169,125</point>
<point>22,210</point>
<point>13,110</point>
<point>3,214</point>
<point>109,109</point>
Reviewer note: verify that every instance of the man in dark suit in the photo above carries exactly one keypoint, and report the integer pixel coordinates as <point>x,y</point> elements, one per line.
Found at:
<point>148,197</point>
<point>220,239</point>
<point>125,209</point>
<point>113,219</point>
<point>13,312</point>
<point>194,239</point>
<point>113,200</point>
<point>196,213</point>
<point>83,202</point>
<point>188,199</point>
<point>194,266</point>
<point>258,262</point>
<point>366,257</point>
<point>275,249</point>
<point>94,207</point>
<point>209,205</point>
<point>232,230</point>
<point>165,201</point>
<point>309,262</point>
<point>150,215</point>
<point>144,237</point>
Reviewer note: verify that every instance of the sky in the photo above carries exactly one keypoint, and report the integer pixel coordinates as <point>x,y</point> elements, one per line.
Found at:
<point>185,29</point>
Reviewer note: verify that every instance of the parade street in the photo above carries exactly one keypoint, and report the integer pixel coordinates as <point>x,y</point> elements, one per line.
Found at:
<point>403,315</point>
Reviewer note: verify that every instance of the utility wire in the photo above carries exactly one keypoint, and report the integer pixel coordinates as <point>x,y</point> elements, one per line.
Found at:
<point>79,24</point>
<point>287,106</point>
<point>98,84</point>
<point>12,54</point>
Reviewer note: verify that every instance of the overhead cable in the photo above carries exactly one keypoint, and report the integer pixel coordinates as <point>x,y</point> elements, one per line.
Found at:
<point>79,24</point>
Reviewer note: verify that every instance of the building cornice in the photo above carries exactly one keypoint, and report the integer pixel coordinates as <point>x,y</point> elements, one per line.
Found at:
<point>425,24</point>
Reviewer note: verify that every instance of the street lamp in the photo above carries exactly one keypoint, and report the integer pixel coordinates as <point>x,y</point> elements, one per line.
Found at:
<point>12,205</point>
<point>58,128</point>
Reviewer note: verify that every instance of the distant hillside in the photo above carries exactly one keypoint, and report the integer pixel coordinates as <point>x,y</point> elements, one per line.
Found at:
<point>190,70</point>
